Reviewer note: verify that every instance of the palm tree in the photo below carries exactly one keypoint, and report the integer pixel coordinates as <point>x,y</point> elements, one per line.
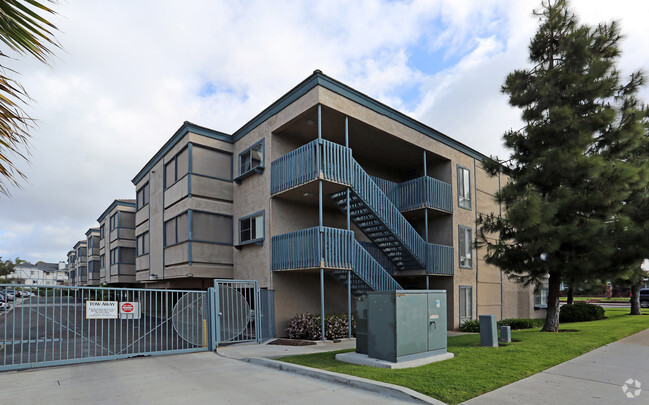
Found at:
<point>25,32</point>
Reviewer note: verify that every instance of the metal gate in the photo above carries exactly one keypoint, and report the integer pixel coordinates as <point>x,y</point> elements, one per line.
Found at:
<point>44,326</point>
<point>236,305</point>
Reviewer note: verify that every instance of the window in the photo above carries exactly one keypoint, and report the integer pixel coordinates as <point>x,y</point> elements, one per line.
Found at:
<point>102,261</point>
<point>177,167</point>
<point>466,303</point>
<point>251,228</point>
<point>541,298</point>
<point>101,231</point>
<point>213,228</point>
<point>143,196</point>
<point>114,256</point>
<point>176,230</point>
<point>251,158</point>
<point>464,187</point>
<point>212,163</point>
<point>143,244</point>
<point>465,245</point>
<point>114,221</point>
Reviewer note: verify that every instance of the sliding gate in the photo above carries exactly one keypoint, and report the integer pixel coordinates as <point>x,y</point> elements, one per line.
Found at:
<point>45,326</point>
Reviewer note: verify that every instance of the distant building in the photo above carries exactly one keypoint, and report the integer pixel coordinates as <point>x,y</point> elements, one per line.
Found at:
<point>39,274</point>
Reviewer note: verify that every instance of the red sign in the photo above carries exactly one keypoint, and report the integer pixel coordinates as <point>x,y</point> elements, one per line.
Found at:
<point>127,307</point>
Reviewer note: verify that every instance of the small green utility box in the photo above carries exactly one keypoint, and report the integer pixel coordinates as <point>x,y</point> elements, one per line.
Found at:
<point>402,324</point>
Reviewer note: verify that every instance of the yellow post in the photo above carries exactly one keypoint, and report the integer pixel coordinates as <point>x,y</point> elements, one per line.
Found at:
<point>204,332</point>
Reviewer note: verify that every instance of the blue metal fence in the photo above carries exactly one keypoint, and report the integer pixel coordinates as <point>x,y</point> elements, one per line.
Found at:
<point>422,192</point>
<point>56,325</point>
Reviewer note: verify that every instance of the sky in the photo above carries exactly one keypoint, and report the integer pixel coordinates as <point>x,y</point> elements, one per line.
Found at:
<point>128,75</point>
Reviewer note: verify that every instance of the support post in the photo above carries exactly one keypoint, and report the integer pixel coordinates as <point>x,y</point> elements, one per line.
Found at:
<point>322,311</point>
<point>426,221</point>
<point>349,304</point>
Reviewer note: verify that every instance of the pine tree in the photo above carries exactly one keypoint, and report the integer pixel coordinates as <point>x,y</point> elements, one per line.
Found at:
<point>568,173</point>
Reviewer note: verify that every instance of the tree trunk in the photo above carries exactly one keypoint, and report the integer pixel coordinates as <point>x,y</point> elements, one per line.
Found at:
<point>571,293</point>
<point>552,317</point>
<point>635,298</point>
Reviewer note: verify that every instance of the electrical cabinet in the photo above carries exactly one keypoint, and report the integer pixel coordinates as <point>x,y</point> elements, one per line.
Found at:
<point>403,324</point>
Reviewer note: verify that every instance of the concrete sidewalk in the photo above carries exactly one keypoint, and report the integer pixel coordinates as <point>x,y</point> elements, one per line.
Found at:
<point>596,377</point>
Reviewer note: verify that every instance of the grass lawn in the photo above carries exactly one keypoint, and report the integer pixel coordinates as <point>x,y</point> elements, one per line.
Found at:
<point>476,370</point>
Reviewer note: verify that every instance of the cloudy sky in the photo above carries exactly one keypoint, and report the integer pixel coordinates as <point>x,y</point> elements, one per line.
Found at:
<point>130,73</point>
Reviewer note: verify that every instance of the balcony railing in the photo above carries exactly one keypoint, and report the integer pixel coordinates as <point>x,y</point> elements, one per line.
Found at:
<point>422,192</point>
<point>321,159</point>
<point>329,248</point>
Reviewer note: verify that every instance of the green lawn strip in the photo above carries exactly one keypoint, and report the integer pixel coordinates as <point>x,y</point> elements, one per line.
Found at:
<point>476,370</point>
<point>584,299</point>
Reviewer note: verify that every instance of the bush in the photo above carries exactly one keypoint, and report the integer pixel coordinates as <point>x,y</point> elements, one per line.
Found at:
<point>580,312</point>
<point>470,326</point>
<point>308,326</point>
<point>514,323</point>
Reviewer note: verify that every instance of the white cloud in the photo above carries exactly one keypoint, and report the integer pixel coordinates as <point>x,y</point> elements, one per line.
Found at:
<point>132,72</point>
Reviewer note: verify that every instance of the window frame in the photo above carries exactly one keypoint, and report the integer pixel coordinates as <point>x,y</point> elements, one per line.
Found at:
<point>102,231</point>
<point>193,237</point>
<point>140,239</point>
<point>175,219</point>
<point>462,230</point>
<point>145,190</point>
<point>464,201</point>
<point>193,171</point>
<point>102,261</point>
<point>540,293</point>
<point>468,304</point>
<point>113,222</point>
<point>253,169</point>
<point>174,161</point>
<point>259,241</point>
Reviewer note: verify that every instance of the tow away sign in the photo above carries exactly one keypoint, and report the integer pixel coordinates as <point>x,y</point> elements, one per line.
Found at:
<point>101,309</point>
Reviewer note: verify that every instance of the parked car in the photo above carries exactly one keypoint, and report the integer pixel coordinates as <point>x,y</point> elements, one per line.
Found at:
<point>3,306</point>
<point>644,298</point>
<point>10,295</point>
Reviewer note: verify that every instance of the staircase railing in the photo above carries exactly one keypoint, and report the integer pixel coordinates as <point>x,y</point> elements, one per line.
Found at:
<point>329,248</point>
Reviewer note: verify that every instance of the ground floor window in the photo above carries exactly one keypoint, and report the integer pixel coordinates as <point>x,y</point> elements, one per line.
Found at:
<point>466,303</point>
<point>541,298</point>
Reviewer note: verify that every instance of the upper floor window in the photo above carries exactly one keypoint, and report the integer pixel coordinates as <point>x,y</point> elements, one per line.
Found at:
<point>251,228</point>
<point>177,167</point>
<point>114,221</point>
<point>143,244</point>
<point>464,187</point>
<point>176,230</point>
<point>114,256</point>
<point>251,158</point>
<point>102,228</point>
<point>102,261</point>
<point>215,228</point>
<point>465,245</point>
<point>211,163</point>
<point>143,196</point>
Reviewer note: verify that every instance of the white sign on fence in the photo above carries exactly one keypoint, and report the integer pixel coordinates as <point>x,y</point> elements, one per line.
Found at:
<point>129,310</point>
<point>101,309</point>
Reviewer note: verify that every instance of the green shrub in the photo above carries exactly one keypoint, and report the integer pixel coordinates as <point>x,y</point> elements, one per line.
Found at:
<point>470,326</point>
<point>514,323</point>
<point>308,326</point>
<point>580,312</point>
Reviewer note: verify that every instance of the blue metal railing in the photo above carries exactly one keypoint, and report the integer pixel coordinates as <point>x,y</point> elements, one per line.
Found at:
<point>440,259</point>
<point>333,162</point>
<point>422,192</point>
<point>329,248</point>
<point>380,257</point>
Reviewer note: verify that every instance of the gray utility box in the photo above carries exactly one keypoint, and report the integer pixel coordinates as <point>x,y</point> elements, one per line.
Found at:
<point>401,325</point>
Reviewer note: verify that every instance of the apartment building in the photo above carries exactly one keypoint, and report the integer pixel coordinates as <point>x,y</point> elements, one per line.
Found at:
<point>72,272</point>
<point>40,273</point>
<point>80,263</point>
<point>93,257</point>
<point>117,243</point>
<point>326,193</point>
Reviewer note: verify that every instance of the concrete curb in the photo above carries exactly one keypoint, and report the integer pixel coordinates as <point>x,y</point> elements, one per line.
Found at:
<point>391,390</point>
